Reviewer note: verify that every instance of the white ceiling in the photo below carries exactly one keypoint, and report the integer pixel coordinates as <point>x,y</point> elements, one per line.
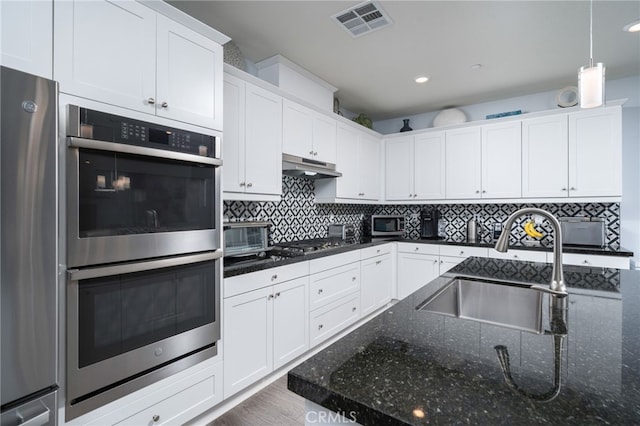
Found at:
<point>523,46</point>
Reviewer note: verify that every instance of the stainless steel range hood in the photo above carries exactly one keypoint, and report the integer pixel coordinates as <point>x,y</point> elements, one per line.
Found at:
<point>310,169</point>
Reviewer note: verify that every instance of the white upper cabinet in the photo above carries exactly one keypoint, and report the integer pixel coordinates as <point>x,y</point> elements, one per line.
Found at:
<point>463,163</point>
<point>595,152</point>
<point>189,75</point>
<point>415,167</point>
<point>501,160</point>
<point>573,155</point>
<point>252,141</point>
<point>545,157</point>
<point>26,34</point>
<point>358,159</point>
<point>125,54</point>
<point>307,133</point>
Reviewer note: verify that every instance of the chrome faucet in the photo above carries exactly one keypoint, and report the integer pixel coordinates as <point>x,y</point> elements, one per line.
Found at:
<point>556,286</point>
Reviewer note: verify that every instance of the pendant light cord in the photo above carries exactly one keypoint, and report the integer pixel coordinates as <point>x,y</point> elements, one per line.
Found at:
<point>591,33</point>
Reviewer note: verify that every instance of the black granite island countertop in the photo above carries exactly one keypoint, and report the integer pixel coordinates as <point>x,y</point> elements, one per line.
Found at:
<point>410,366</point>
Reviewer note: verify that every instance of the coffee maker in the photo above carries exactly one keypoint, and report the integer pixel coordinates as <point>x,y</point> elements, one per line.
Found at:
<point>429,218</point>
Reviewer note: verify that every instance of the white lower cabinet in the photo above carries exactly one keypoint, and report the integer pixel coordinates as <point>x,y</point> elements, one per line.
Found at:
<point>525,255</point>
<point>334,317</point>
<point>262,330</point>
<point>598,261</point>
<point>450,256</point>
<point>377,280</point>
<point>417,265</point>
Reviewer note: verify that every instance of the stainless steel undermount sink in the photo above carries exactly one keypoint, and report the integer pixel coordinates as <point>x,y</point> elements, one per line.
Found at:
<point>500,303</point>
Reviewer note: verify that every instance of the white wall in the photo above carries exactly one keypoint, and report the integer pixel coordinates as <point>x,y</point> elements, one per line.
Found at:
<point>630,205</point>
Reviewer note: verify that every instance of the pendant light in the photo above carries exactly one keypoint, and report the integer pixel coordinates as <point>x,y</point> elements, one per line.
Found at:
<point>591,77</point>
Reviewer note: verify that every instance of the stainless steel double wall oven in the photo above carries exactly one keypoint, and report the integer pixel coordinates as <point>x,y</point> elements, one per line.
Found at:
<point>143,254</point>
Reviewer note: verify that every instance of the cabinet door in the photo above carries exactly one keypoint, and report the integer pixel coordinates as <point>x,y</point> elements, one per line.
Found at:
<point>545,157</point>
<point>263,141</point>
<point>595,153</point>
<point>414,271</point>
<point>448,262</point>
<point>189,75</point>
<point>429,168</point>
<point>106,51</point>
<point>324,138</point>
<point>248,339</point>
<point>26,34</point>
<point>369,167</point>
<point>501,160</point>
<point>347,163</point>
<point>375,288</point>
<point>399,169</point>
<point>290,320</point>
<point>233,147</point>
<point>463,163</point>
<point>297,129</point>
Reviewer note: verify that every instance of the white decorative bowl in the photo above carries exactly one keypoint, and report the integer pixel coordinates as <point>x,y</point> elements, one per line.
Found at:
<point>448,117</point>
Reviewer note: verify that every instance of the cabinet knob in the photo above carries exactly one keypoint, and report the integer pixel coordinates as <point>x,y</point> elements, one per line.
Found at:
<point>441,262</point>
<point>410,195</point>
<point>353,278</point>
<point>320,291</point>
<point>477,191</point>
<point>378,251</point>
<point>416,249</point>
<point>435,261</point>
<point>164,105</point>
<point>315,153</point>
<point>277,294</point>
<point>242,184</point>
<point>573,188</point>
<point>461,252</point>
<point>270,297</point>
<point>484,192</point>
<point>515,256</point>
<point>249,185</point>
<point>320,327</point>
<point>151,101</point>
<point>415,195</point>
<point>585,262</point>
<point>311,152</point>
<point>378,262</point>
<point>274,277</point>
<point>564,189</point>
<point>353,309</point>
<point>156,418</point>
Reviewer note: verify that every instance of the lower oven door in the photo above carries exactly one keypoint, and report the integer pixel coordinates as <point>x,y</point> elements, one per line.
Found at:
<point>129,325</point>
<point>129,202</point>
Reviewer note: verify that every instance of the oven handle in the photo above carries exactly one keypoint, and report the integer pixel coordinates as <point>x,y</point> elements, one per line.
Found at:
<point>76,142</point>
<point>126,268</point>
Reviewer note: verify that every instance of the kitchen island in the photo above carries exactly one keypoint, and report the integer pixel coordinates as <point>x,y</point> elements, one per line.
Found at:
<point>412,366</point>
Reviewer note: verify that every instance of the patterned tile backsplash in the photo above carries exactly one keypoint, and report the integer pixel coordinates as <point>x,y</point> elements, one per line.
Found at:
<point>298,217</point>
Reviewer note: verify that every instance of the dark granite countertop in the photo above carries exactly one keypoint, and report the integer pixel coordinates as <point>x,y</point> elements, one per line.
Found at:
<point>271,263</point>
<point>409,366</point>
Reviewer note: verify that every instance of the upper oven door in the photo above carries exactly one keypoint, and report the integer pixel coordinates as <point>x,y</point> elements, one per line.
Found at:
<point>129,202</point>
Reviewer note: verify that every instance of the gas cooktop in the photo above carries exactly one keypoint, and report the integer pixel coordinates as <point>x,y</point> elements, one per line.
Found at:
<point>303,247</point>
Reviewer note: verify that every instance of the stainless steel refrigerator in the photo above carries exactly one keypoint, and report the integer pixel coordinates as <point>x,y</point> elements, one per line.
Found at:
<point>28,249</point>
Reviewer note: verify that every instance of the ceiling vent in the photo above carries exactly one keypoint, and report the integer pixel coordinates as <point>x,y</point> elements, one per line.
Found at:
<point>362,18</point>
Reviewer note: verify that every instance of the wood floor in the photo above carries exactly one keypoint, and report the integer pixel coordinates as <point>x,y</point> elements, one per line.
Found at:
<point>274,405</point>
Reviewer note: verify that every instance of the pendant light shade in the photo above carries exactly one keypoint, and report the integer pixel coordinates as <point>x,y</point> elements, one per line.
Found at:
<point>591,77</point>
<point>591,85</point>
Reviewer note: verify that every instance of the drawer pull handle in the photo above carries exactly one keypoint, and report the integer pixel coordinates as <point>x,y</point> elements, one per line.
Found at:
<point>319,291</point>
<point>353,309</point>
<point>274,277</point>
<point>156,418</point>
<point>320,327</point>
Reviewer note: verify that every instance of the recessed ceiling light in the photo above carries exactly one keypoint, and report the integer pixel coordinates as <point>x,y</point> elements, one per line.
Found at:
<point>422,79</point>
<point>476,66</point>
<point>633,27</point>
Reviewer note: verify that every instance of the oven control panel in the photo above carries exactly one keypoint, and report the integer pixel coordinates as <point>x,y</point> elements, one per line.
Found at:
<point>102,126</point>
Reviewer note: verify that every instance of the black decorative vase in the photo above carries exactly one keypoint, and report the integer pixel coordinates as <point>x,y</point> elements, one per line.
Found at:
<point>405,127</point>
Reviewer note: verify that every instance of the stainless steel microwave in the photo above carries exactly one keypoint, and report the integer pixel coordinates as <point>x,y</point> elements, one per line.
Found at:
<point>387,226</point>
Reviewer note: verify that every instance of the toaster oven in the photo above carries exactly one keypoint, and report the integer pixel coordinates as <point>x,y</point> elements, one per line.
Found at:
<point>245,238</point>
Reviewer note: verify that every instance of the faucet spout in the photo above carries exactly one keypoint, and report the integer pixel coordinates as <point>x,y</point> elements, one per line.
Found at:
<point>557,276</point>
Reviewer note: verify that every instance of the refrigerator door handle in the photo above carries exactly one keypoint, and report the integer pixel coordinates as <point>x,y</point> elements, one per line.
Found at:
<point>40,419</point>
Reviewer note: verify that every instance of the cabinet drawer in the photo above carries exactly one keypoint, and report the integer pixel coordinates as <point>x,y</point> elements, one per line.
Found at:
<point>170,410</point>
<point>463,251</point>
<point>255,280</point>
<point>328,262</point>
<point>593,260</point>
<point>369,252</point>
<point>333,284</point>
<point>526,255</point>
<point>419,248</point>
<point>332,318</point>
